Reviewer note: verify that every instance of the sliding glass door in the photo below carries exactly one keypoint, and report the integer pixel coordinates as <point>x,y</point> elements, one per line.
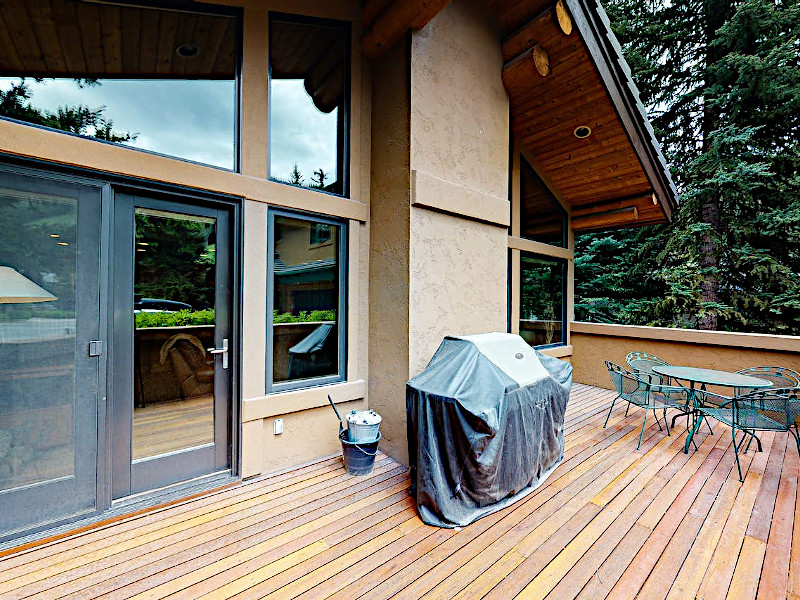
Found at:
<point>50,352</point>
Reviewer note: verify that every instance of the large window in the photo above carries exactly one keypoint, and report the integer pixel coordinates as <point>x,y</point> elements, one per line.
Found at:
<point>157,80</point>
<point>308,98</point>
<point>541,217</point>
<point>306,301</point>
<point>542,315</point>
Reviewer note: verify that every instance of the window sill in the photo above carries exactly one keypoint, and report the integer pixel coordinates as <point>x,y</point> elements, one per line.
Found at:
<point>281,403</point>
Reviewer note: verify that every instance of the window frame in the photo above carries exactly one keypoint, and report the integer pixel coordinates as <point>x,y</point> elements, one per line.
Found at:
<point>345,120</point>
<point>341,306</point>
<point>525,165</point>
<point>564,264</point>
<point>517,246</point>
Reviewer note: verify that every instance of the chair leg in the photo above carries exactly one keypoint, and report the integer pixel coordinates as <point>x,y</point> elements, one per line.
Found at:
<point>666,423</point>
<point>660,428</point>
<point>609,412</point>
<point>708,424</point>
<point>626,409</point>
<point>736,453</point>
<point>639,445</point>
<point>796,434</point>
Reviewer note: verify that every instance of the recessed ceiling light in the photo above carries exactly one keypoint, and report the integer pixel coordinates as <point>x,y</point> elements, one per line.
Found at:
<point>582,132</point>
<point>62,243</point>
<point>54,235</point>
<point>187,50</point>
<point>143,243</point>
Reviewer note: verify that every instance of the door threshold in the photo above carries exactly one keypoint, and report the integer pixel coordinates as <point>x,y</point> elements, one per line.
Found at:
<point>124,508</point>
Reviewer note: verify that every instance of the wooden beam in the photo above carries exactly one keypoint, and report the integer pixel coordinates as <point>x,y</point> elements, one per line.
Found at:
<point>608,205</point>
<point>606,220</point>
<point>397,19</point>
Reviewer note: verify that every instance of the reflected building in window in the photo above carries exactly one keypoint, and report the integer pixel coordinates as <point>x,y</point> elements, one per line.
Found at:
<point>307,299</point>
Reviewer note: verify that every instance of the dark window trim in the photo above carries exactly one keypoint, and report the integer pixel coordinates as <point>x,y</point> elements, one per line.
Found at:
<point>564,263</point>
<point>342,304</point>
<point>344,119</point>
<point>234,12</point>
<point>524,165</point>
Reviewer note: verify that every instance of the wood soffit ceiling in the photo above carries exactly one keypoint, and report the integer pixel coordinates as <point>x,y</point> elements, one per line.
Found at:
<point>71,38</point>
<point>602,176</point>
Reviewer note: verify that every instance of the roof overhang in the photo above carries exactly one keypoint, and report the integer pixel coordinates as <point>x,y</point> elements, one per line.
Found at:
<point>617,177</point>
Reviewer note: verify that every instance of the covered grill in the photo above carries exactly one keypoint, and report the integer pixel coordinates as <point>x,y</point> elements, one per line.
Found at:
<point>485,426</point>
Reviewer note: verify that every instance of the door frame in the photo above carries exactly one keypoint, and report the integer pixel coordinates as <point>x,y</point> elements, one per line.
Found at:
<point>188,198</point>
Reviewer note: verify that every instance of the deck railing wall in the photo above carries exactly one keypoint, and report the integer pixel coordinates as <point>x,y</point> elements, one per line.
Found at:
<point>594,343</point>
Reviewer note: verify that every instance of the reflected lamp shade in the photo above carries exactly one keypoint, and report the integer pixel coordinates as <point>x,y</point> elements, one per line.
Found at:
<point>15,288</point>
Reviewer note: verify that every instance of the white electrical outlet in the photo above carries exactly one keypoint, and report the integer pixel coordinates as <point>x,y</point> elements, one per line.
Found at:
<point>277,426</point>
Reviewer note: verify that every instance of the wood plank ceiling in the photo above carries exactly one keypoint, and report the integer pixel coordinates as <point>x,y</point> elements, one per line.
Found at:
<point>600,176</point>
<point>73,38</point>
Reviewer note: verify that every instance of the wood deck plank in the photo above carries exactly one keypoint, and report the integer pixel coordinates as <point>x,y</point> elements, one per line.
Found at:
<point>610,521</point>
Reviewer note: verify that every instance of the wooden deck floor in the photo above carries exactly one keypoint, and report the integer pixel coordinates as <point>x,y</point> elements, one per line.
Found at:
<point>611,522</point>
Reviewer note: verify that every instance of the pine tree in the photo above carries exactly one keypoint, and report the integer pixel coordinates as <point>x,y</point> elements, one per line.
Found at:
<point>16,103</point>
<point>295,177</point>
<point>722,79</point>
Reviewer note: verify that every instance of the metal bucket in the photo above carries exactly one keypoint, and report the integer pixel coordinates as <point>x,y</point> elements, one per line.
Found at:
<point>363,425</point>
<point>359,458</point>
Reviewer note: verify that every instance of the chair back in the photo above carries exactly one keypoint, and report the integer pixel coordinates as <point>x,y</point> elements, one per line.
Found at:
<point>772,410</point>
<point>781,377</point>
<point>628,386</point>
<point>642,362</point>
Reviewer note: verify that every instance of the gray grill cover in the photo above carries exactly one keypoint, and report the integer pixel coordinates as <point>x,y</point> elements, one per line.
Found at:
<point>485,427</point>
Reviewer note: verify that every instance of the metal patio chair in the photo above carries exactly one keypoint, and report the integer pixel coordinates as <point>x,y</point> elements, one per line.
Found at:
<point>781,377</point>
<point>642,364</point>
<point>640,392</point>
<point>771,410</point>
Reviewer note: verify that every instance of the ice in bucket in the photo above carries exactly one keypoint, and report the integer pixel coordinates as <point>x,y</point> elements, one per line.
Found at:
<point>363,425</point>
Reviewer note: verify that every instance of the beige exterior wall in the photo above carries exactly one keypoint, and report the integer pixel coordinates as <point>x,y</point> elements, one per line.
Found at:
<point>593,344</point>
<point>389,246</point>
<point>439,215</point>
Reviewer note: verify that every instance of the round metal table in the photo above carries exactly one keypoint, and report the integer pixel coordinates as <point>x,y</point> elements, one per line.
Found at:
<point>704,377</point>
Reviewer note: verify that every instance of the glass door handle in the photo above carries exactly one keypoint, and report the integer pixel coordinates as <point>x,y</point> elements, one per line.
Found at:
<point>223,351</point>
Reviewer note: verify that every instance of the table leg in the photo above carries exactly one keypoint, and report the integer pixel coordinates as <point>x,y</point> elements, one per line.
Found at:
<point>695,420</point>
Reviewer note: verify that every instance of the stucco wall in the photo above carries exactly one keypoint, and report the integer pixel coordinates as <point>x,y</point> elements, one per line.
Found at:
<point>459,134</point>
<point>458,281</point>
<point>434,274</point>
<point>731,352</point>
<point>459,107</point>
<point>389,247</point>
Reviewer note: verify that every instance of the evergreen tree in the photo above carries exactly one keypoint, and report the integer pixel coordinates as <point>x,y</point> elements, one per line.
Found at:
<point>295,177</point>
<point>722,79</point>
<point>319,178</point>
<point>16,104</point>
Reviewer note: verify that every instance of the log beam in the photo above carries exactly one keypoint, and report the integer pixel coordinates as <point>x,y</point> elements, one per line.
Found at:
<point>606,220</point>
<point>395,21</point>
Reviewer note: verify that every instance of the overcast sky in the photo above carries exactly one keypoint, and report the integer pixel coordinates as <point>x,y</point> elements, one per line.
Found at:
<point>300,133</point>
<point>195,119</point>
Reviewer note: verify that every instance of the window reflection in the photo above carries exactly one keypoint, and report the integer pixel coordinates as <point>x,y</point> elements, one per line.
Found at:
<point>162,81</point>
<point>306,288</point>
<point>38,250</point>
<point>308,93</point>
<point>541,319</point>
<point>542,218</point>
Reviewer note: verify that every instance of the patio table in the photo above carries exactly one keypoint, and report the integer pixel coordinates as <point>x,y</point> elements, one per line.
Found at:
<point>705,377</point>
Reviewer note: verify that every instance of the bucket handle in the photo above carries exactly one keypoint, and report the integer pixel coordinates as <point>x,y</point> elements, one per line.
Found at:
<point>365,452</point>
